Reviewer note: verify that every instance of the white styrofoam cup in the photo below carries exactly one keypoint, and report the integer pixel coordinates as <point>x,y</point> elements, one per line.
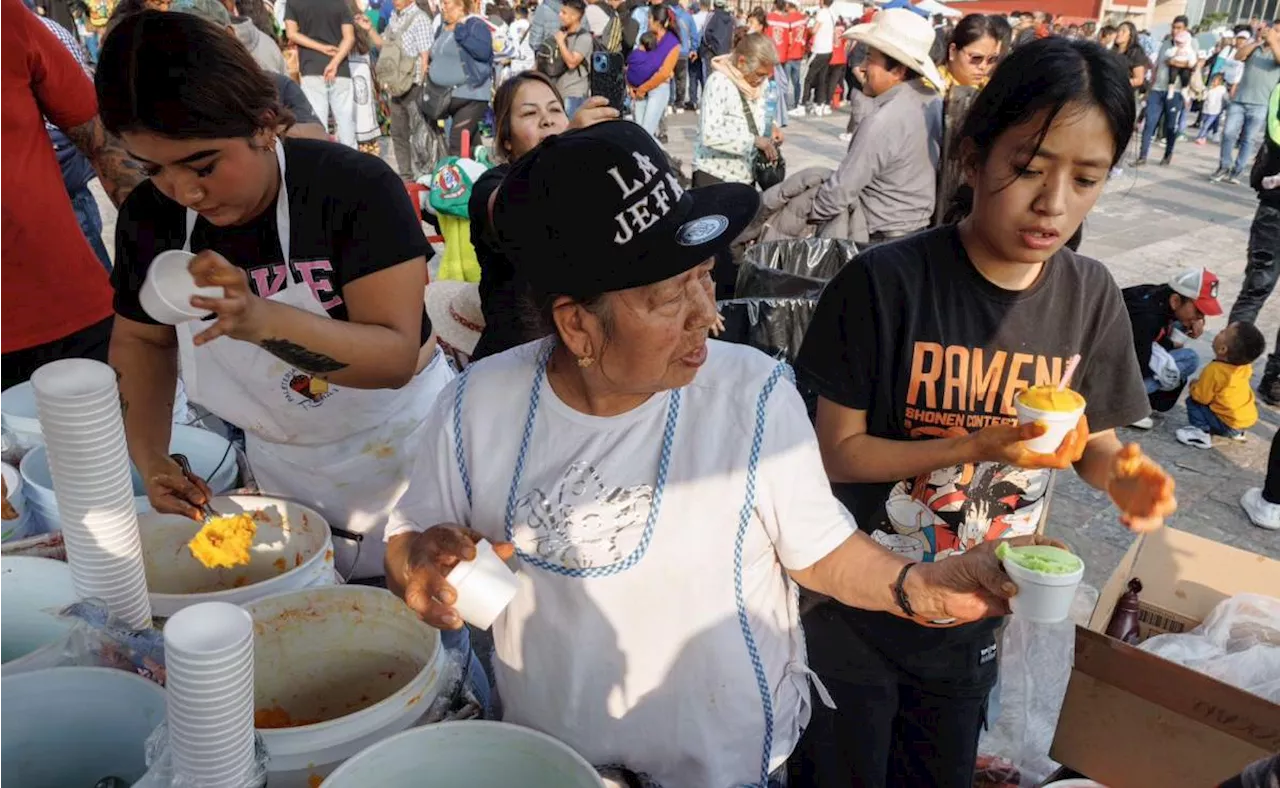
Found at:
<point>485,587</point>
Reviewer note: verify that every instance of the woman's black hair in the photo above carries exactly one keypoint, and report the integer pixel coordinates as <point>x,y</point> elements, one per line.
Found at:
<point>1133,35</point>
<point>179,76</point>
<point>973,27</point>
<point>1049,75</point>
<point>663,15</point>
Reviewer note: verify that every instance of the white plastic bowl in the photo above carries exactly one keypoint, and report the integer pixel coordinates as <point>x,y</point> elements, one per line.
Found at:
<point>291,550</point>
<point>169,286</point>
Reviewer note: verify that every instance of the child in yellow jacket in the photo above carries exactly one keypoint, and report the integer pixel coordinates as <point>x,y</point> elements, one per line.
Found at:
<point>1221,401</point>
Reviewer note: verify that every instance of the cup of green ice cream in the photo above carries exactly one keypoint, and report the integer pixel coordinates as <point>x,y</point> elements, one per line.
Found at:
<point>1046,577</point>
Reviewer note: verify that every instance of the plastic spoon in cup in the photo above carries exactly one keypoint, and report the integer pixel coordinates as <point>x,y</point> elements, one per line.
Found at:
<point>1072,363</point>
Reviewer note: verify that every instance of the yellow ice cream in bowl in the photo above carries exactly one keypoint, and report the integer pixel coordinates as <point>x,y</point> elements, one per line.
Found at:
<point>1052,399</point>
<point>1058,409</point>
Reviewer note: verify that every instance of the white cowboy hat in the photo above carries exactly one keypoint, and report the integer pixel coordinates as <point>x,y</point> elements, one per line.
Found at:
<point>904,36</point>
<point>454,309</point>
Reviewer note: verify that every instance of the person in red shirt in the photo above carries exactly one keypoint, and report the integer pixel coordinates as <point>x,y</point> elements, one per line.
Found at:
<point>797,42</point>
<point>56,300</point>
<point>839,68</point>
<point>781,32</point>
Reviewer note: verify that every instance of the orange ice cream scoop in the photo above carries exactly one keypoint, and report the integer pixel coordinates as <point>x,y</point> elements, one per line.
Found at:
<point>224,541</point>
<point>1049,398</point>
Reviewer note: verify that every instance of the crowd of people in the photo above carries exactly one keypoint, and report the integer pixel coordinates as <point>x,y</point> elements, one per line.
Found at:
<point>665,495</point>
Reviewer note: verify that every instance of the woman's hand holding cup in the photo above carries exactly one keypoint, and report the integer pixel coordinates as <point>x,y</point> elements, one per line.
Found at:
<point>432,555</point>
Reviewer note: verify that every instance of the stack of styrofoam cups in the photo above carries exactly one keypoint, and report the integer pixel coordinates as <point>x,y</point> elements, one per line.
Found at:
<point>208,650</point>
<point>79,406</point>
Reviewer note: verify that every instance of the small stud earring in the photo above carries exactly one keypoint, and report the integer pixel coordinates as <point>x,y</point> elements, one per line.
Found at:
<point>585,361</point>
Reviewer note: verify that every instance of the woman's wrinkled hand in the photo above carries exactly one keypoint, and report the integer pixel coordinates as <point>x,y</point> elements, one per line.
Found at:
<point>1141,490</point>
<point>432,555</point>
<point>171,492</point>
<point>1006,443</point>
<point>239,311</point>
<point>766,146</point>
<point>594,110</point>
<point>966,587</point>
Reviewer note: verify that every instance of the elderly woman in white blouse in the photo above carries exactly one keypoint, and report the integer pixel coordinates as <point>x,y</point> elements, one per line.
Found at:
<point>728,140</point>
<point>663,494</point>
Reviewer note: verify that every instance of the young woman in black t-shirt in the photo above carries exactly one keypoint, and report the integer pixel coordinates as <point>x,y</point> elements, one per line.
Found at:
<point>917,350</point>
<point>319,348</point>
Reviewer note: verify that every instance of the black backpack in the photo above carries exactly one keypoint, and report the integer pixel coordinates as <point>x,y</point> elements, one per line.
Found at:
<point>548,57</point>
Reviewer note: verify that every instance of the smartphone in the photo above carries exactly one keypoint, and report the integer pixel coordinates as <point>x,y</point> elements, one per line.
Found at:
<point>608,78</point>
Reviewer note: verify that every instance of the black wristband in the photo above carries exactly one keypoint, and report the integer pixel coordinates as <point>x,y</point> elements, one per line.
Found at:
<point>900,593</point>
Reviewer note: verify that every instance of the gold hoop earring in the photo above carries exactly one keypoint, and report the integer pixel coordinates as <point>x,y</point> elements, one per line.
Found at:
<point>585,361</point>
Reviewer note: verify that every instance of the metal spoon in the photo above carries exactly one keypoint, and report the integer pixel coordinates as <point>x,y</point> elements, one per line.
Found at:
<point>208,512</point>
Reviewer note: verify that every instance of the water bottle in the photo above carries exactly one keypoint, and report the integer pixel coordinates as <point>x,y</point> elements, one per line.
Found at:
<point>770,107</point>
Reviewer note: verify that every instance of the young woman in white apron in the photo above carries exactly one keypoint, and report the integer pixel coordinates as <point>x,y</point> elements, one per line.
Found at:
<point>320,350</point>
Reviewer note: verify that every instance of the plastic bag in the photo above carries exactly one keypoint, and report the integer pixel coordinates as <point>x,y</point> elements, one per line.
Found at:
<point>773,325</point>
<point>1164,369</point>
<point>1238,643</point>
<point>791,269</point>
<point>99,640</point>
<point>160,772</point>
<point>1035,666</point>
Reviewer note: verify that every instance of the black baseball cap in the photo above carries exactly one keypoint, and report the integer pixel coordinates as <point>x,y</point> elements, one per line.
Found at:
<point>599,209</point>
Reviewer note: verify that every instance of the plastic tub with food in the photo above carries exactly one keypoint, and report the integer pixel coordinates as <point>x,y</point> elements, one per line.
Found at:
<point>336,670</point>
<point>291,549</point>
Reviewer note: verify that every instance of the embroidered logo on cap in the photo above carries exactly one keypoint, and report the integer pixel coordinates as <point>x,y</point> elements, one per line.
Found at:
<point>699,231</point>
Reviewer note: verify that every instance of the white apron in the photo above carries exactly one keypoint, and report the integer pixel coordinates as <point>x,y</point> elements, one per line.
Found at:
<point>343,451</point>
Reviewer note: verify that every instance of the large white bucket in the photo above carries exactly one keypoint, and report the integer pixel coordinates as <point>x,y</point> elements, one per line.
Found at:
<point>69,727</point>
<point>467,754</point>
<point>32,591</point>
<point>212,458</point>
<point>355,658</point>
<point>23,525</point>
<point>292,550</point>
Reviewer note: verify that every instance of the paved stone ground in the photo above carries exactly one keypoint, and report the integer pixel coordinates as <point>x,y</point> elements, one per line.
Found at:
<point>1149,224</point>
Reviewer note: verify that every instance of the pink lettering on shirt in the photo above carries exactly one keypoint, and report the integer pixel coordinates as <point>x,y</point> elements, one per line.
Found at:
<point>317,275</point>
<point>268,280</point>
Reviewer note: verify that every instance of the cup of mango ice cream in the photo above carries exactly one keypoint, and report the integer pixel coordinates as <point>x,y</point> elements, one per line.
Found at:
<point>1059,411</point>
<point>1046,577</point>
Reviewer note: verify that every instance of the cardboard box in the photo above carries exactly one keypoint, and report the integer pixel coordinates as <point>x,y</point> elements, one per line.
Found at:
<point>1133,720</point>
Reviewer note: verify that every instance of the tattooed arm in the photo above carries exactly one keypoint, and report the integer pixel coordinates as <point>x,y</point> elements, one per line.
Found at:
<point>118,173</point>
<point>376,347</point>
